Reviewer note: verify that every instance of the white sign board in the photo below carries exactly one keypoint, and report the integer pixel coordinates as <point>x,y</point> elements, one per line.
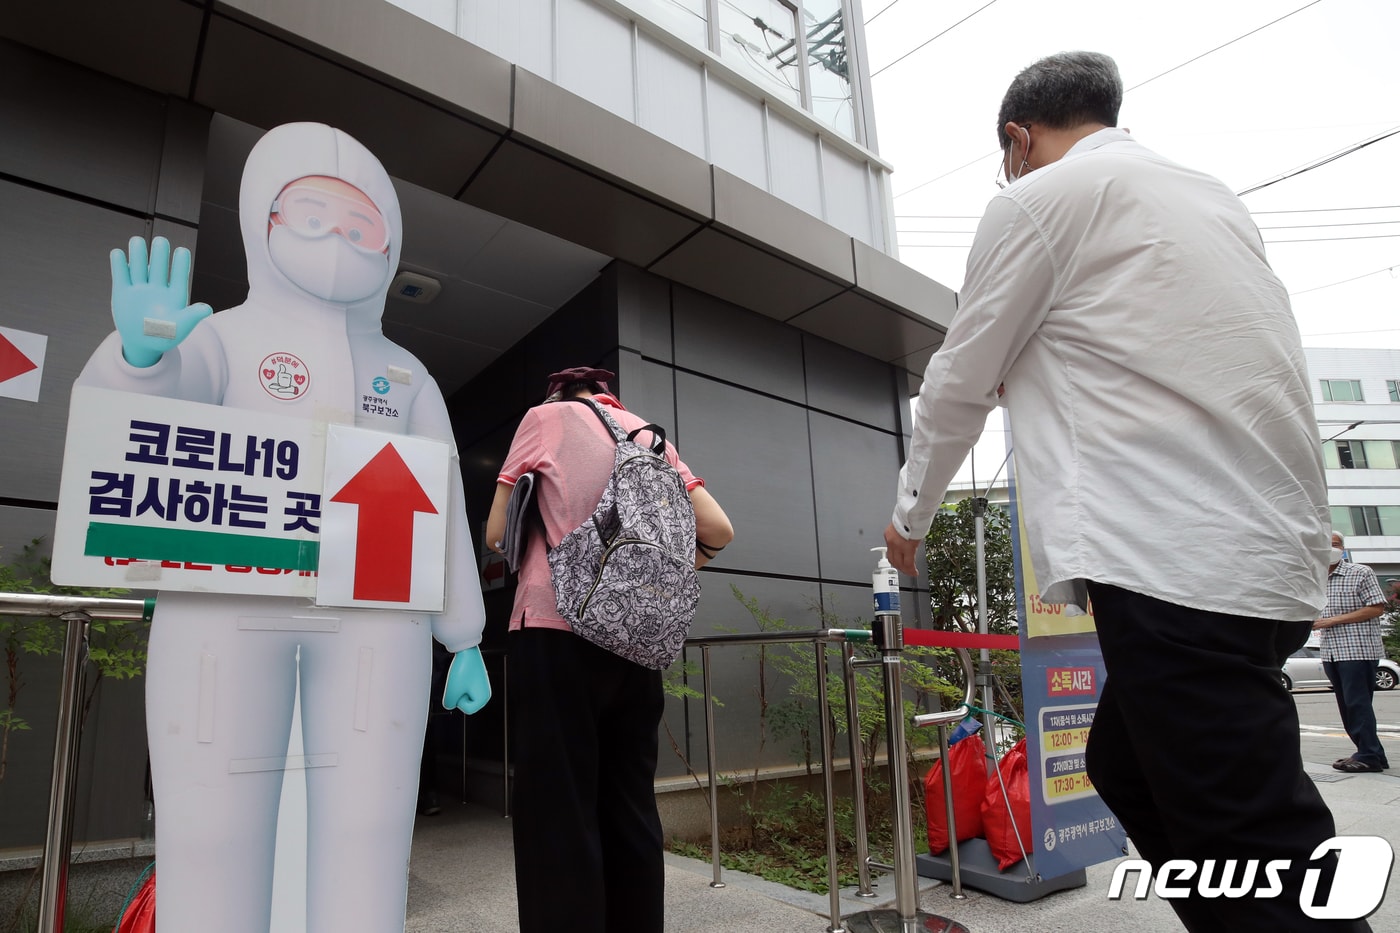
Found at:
<point>159,493</point>
<point>383,520</point>
<point>164,494</point>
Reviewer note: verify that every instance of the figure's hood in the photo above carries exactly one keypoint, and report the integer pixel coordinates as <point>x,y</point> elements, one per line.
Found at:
<point>292,151</point>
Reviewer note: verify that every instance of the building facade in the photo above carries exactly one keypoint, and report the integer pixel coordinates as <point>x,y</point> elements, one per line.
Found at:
<point>1357,394</point>
<point>686,195</point>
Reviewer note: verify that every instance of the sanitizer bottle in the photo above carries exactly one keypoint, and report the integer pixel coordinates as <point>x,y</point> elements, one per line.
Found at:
<point>885,584</point>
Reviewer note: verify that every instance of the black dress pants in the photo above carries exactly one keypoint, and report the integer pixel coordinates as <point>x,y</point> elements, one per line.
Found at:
<point>1195,749</point>
<point>588,845</point>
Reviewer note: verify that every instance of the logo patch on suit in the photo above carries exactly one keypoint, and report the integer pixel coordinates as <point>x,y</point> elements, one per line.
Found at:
<point>284,376</point>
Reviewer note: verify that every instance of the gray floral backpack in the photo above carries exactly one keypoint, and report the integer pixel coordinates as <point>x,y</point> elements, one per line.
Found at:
<point>625,579</point>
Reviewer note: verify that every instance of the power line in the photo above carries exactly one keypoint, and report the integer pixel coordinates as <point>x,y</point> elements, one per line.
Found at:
<point>1354,223</point>
<point>1364,275</point>
<point>1301,210</point>
<point>1337,239</point>
<point>1219,47</point>
<point>923,184</point>
<point>880,14</point>
<point>941,34</point>
<point>1134,87</point>
<point>1318,163</point>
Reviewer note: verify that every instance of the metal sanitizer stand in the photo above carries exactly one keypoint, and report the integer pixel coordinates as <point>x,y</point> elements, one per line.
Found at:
<point>889,638</point>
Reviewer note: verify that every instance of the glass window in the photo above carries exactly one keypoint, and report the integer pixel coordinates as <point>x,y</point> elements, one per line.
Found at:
<point>1341,520</point>
<point>1389,516</point>
<point>1365,520</point>
<point>757,39</point>
<point>1341,390</point>
<point>1393,387</point>
<point>828,67</point>
<point>1351,454</point>
<point>1329,456</point>
<point>1380,455</point>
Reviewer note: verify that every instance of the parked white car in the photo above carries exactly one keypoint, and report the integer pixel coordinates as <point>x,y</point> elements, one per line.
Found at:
<point>1303,670</point>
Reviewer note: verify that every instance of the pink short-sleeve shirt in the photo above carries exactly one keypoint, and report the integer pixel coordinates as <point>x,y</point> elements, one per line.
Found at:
<point>571,454</point>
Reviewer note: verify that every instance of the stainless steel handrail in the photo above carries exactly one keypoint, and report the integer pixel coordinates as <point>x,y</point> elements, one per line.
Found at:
<point>818,638</point>
<point>77,612</point>
<point>904,850</point>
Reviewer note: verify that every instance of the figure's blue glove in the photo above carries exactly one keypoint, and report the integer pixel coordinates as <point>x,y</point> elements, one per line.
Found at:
<point>151,300</point>
<point>467,687</point>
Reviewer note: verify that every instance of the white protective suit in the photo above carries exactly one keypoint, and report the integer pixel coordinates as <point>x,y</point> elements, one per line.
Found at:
<point>222,670</point>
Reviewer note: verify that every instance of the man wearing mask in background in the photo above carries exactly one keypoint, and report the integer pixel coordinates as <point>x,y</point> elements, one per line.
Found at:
<point>1351,646</point>
<point>1168,460</point>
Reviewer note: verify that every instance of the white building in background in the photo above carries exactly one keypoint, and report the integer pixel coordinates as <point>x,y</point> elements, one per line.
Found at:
<point>1357,399</point>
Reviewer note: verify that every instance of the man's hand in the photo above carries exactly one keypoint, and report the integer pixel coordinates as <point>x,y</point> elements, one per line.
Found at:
<point>151,300</point>
<point>900,551</point>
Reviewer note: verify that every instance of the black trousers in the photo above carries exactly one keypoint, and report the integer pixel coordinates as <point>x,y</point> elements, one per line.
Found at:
<point>588,845</point>
<point>1195,749</point>
<point>1354,684</point>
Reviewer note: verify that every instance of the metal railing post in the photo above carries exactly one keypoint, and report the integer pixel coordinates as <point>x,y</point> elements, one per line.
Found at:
<point>954,866</point>
<point>984,657</point>
<point>505,736</point>
<point>890,637</point>
<point>848,659</point>
<point>710,755</point>
<point>58,840</point>
<point>833,870</point>
<point>77,613</point>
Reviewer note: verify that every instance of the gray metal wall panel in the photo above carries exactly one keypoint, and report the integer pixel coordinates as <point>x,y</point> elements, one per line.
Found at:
<point>851,384</point>
<point>70,129</point>
<point>644,312</point>
<point>58,282</point>
<point>19,526</point>
<point>854,469</point>
<point>729,343</point>
<point>182,161</point>
<point>753,453</point>
<point>649,390</point>
<point>735,672</point>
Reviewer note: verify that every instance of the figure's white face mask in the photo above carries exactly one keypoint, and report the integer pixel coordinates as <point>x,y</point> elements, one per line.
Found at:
<point>328,267</point>
<point>1337,555</point>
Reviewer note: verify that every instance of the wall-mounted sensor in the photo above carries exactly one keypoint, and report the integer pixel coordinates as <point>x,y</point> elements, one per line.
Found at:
<point>410,286</point>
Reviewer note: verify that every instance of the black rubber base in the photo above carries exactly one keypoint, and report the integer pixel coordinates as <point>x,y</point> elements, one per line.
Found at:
<point>978,869</point>
<point>887,921</point>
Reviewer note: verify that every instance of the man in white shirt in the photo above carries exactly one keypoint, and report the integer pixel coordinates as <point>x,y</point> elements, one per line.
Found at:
<point>1168,462</point>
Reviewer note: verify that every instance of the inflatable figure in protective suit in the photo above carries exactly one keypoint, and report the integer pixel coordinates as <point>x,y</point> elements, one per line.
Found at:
<point>321,230</point>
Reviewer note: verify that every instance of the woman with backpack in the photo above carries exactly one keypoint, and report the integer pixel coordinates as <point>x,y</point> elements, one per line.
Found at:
<point>588,843</point>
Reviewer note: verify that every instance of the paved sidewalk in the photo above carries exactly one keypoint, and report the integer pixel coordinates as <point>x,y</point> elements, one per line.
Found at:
<point>462,879</point>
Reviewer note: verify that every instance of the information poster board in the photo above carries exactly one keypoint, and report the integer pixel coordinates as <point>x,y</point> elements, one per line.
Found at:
<point>1062,673</point>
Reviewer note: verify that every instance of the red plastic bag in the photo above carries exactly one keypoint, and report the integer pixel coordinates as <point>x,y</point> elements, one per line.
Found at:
<point>997,818</point>
<point>140,913</point>
<point>968,763</point>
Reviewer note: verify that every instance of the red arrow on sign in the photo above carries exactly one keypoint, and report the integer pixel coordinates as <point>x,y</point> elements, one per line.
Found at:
<point>388,496</point>
<point>13,362</point>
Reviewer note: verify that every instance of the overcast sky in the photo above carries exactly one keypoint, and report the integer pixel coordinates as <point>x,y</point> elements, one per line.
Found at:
<point>1295,81</point>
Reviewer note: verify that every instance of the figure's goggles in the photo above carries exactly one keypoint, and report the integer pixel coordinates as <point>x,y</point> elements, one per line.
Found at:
<point>311,212</point>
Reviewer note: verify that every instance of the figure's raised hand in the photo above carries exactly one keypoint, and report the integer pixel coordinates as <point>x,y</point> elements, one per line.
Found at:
<point>151,300</point>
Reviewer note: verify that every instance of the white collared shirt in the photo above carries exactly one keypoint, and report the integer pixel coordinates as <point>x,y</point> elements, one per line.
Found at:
<point>1163,429</point>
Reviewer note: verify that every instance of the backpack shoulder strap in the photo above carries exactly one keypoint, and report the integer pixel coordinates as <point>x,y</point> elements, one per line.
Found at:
<point>613,427</point>
<point>658,440</point>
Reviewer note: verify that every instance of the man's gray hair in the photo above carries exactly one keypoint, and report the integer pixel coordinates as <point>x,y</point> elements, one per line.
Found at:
<point>1063,91</point>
